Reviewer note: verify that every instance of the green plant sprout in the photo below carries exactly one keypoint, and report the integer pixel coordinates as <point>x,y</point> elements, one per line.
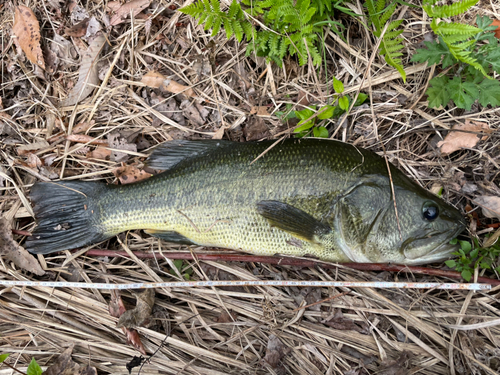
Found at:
<point>184,269</point>
<point>470,257</point>
<point>33,368</point>
<point>326,112</point>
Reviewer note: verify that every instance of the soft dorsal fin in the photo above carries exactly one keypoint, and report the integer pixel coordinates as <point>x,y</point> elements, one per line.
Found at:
<point>169,154</point>
<point>292,220</point>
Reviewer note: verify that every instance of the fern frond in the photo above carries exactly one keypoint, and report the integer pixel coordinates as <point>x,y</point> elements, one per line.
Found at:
<point>444,28</point>
<point>391,44</point>
<point>456,38</point>
<point>452,10</point>
<point>388,14</point>
<point>216,26</point>
<point>248,30</point>
<point>380,6</point>
<point>460,52</point>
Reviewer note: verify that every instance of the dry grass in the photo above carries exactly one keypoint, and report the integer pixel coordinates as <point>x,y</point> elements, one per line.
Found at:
<point>230,330</point>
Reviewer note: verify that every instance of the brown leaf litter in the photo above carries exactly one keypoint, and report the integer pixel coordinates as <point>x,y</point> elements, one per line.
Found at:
<point>27,32</point>
<point>11,251</point>
<point>123,11</point>
<point>210,91</point>
<point>88,77</point>
<point>464,135</point>
<point>64,365</point>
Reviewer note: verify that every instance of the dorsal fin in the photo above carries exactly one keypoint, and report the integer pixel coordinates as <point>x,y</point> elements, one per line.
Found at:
<point>169,154</point>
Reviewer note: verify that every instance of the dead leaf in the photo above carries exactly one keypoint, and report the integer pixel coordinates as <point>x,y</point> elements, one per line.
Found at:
<point>88,75</point>
<point>117,141</point>
<point>141,312</point>
<point>491,240</point>
<point>129,174</point>
<point>255,129</point>
<point>82,127</point>
<point>63,48</point>
<point>497,24</point>
<point>33,161</point>
<point>27,32</point>
<point>63,365</point>
<point>100,153</point>
<point>78,30</point>
<point>51,59</point>
<point>260,110</point>
<point>396,367</point>
<point>225,317</point>
<point>134,7</point>
<point>490,205</point>
<point>463,136</point>
<point>93,28</point>
<point>346,324</point>
<point>219,133</point>
<point>367,359</point>
<point>157,80</point>
<point>117,309</point>
<point>274,352</point>
<point>11,250</point>
<point>88,370</point>
<point>82,138</point>
<point>25,149</point>
<point>114,5</point>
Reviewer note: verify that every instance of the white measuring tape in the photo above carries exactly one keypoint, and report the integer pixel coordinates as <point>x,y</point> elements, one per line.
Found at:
<point>194,284</point>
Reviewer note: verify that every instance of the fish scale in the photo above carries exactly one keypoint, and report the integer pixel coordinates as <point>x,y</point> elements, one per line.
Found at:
<point>302,197</point>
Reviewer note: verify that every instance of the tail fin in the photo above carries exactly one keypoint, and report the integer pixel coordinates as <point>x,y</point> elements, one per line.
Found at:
<point>67,215</point>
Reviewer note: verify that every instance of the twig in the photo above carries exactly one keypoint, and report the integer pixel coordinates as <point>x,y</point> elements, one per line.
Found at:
<point>296,262</point>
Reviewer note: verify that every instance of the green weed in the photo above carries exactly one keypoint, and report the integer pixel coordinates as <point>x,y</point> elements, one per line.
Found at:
<point>472,255</point>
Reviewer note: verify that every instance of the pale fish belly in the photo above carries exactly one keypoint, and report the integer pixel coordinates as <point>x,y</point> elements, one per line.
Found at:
<point>238,228</point>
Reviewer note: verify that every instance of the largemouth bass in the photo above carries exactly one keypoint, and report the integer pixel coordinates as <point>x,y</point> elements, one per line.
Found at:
<point>308,197</point>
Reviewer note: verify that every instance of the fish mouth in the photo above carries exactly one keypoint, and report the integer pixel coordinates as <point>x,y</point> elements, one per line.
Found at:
<point>442,248</point>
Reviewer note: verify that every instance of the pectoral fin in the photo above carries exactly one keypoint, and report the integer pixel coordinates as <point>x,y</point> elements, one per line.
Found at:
<point>170,236</point>
<point>292,220</point>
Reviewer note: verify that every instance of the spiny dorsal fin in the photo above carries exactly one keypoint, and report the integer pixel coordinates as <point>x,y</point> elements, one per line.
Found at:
<point>169,154</point>
<point>292,220</point>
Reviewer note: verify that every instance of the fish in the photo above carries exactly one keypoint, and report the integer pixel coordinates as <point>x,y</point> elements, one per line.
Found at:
<point>299,197</point>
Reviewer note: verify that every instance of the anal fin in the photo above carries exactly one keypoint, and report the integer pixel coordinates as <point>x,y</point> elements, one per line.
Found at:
<point>170,236</point>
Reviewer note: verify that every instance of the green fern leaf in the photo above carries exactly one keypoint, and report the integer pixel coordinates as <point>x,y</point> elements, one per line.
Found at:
<point>248,30</point>
<point>388,14</point>
<point>209,21</point>
<point>216,26</point>
<point>453,28</point>
<point>449,10</point>
<point>238,30</point>
<point>391,44</point>
<point>380,6</point>
<point>228,26</point>
<point>215,5</point>
<point>234,9</point>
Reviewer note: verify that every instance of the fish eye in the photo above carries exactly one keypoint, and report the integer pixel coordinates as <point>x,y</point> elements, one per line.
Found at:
<point>430,211</point>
